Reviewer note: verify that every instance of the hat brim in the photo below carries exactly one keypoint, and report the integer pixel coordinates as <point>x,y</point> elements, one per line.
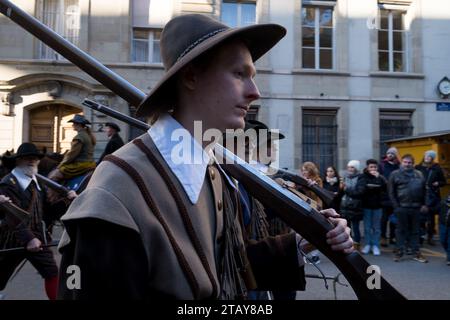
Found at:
<point>28,154</point>
<point>273,136</point>
<point>277,136</point>
<point>114,126</point>
<point>79,122</point>
<point>258,38</point>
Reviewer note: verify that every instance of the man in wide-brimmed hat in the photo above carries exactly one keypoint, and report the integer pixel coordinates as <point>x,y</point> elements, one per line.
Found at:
<point>115,141</point>
<point>80,158</point>
<point>168,214</point>
<point>23,189</point>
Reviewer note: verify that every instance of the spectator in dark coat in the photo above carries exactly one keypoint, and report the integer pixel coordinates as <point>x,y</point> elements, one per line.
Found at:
<point>407,193</point>
<point>444,227</point>
<point>115,141</point>
<point>374,186</point>
<point>434,180</point>
<point>332,182</point>
<point>389,164</point>
<point>351,208</point>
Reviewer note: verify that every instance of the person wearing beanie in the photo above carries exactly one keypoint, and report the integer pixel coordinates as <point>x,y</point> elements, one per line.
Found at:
<point>351,208</point>
<point>355,164</point>
<point>435,179</point>
<point>430,154</point>
<point>393,151</point>
<point>388,164</point>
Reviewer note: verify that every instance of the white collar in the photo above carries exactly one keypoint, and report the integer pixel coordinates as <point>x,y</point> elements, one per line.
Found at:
<point>24,180</point>
<point>169,137</point>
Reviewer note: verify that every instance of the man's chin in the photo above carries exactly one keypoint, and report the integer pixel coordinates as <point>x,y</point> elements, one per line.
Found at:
<point>29,171</point>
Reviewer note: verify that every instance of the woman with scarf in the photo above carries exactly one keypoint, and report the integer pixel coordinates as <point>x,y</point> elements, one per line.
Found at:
<point>332,182</point>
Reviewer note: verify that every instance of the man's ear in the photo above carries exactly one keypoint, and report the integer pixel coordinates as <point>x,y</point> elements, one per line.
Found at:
<point>188,77</point>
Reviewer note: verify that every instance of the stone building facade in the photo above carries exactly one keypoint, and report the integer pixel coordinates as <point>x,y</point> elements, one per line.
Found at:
<point>348,75</point>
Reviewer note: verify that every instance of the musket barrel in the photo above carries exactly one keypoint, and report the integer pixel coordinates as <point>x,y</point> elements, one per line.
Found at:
<point>52,184</point>
<point>85,62</point>
<point>116,114</point>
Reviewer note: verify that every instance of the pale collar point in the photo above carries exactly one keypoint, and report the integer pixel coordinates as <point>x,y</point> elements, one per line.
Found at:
<point>24,180</point>
<point>191,173</point>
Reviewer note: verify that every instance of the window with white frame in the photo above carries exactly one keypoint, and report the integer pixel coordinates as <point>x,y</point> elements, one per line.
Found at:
<point>63,16</point>
<point>238,13</point>
<point>317,35</point>
<point>146,45</point>
<point>392,41</point>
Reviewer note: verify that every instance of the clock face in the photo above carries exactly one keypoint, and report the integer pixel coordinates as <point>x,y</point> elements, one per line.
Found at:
<point>444,87</point>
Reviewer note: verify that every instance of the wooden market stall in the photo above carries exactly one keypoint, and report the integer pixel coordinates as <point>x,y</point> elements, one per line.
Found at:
<point>438,141</point>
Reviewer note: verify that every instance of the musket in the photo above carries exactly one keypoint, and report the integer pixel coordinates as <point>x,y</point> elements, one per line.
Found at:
<point>326,196</point>
<point>52,184</point>
<point>312,225</point>
<point>18,213</point>
<point>20,249</point>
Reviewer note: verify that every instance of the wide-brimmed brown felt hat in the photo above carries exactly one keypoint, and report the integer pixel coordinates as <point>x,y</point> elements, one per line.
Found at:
<point>186,37</point>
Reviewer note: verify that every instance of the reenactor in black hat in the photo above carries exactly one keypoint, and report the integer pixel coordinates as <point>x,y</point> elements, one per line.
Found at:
<point>115,141</point>
<point>21,188</point>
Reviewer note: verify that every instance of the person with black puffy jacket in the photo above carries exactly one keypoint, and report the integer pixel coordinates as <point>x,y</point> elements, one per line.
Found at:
<point>374,186</point>
<point>351,208</point>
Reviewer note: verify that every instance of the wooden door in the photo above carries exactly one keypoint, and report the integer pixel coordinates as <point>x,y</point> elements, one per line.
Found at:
<point>49,129</point>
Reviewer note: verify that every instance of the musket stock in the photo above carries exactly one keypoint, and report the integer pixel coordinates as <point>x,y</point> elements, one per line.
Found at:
<point>18,213</point>
<point>326,196</point>
<point>294,211</point>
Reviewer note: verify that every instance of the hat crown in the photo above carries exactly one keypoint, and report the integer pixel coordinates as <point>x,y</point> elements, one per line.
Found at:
<point>78,118</point>
<point>27,149</point>
<point>185,32</point>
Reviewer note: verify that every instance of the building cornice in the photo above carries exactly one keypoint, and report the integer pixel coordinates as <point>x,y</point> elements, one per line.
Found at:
<point>403,75</point>
<point>126,65</point>
<point>349,98</point>
<point>320,72</point>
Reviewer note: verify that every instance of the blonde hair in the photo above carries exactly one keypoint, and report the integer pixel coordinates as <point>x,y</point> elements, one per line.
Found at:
<point>312,169</point>
<point>91,135</point>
